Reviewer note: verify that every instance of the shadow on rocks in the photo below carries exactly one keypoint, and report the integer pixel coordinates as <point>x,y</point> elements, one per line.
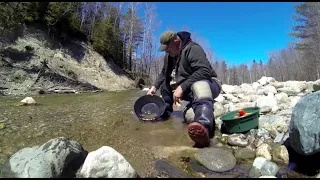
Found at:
<point>307,165</point>
<point>75,164</point>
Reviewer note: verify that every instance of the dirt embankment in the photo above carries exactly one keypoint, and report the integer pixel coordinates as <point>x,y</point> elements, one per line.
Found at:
<point>31,62</point>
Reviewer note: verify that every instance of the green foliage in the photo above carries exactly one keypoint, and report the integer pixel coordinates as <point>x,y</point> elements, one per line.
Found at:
<point>308,17</point>
<point>11,16</point>
<point>102,37</point>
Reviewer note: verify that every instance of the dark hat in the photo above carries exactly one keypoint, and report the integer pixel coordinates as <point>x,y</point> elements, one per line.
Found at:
<point>165,39</point>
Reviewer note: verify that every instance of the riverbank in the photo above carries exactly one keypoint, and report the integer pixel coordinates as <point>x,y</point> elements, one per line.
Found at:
<point>31,62</point>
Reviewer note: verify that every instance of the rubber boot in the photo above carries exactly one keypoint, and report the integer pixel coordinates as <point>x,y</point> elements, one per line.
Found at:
<point>201,130</point>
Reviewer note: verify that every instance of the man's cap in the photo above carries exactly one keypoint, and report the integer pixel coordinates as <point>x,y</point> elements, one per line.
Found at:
<point>165,39</point>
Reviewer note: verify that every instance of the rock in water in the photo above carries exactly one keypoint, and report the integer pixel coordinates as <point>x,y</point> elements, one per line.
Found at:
<point>106,162</point>
<point>56,158</point>
<point>216,159</point>
<point>245,153</point>
<point>165,169</point>
<point>263,167</point>
<point>305,125</point>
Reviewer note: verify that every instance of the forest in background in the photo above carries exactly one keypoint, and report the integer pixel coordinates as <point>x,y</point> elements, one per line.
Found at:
<point>115,30</point>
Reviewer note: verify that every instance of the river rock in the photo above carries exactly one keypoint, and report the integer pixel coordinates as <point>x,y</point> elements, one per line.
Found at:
<point>163,152</point>
<point>267,104</point>
<point>260,133</point>
<point>215,159</point>
<point>267,89</point>
<point>245,153</point>
<point>231,97</point>
<point>247,88</point>
<point>265,80</point>
<point>280,138</point>
<point>106,162</point>
<point>28,101</point>
<point>56,158</point>
<point>273,122</point>
<point>267,177</point>
<point>166,170</point>
<point>256,85</point>
<point>228,89</point>
<point>263,167</point>
<point>280,155</point>
<point>257,142</point>
<point>305,125</point>
<point>220,99</point>
<point>264,150</point>
<point>238,140</point>
<point>218,110</point>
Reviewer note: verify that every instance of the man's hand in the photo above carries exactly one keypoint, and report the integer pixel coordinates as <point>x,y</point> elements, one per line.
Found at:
<point>177,95</point>
<point>152,91</point>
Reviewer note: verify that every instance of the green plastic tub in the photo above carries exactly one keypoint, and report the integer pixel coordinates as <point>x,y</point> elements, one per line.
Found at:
<point>241,124</point>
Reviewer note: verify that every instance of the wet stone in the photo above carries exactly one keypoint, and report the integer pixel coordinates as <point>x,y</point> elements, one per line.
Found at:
<point>245,153</point>
<point>215,159</point>
<point>167,170</point>
<point>239,171</point>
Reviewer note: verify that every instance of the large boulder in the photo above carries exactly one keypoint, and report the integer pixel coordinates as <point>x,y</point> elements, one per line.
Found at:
<point>304,126</point>
<point>56,158</point>
<point>106,162</point>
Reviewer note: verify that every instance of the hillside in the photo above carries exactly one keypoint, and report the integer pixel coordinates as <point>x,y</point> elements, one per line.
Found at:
<point>30,61</point>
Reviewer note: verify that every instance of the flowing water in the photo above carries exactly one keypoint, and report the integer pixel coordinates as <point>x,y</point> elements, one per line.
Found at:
<point>94,120</point>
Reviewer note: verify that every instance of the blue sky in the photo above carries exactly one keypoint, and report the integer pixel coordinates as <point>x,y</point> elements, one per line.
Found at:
<point>237,31</point>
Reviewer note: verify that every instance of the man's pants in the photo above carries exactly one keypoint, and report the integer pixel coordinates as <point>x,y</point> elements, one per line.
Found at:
<point>201,96</point>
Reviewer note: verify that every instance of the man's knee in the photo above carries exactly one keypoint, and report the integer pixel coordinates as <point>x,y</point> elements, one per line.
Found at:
<point>201,91</point>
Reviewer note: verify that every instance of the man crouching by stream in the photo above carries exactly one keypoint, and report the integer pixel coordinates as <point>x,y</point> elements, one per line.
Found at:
<point>195,79</point>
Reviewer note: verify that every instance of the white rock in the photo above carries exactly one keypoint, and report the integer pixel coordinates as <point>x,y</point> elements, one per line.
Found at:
<point>280,155</point>
<point>264,150</point>
<point>242,105</point>
<point>227,88</point>
<point>256,85</point>
<point>265,80</point>
<point>299,86</point>
<point>230,97</point>
<point>267,177</point>
<point>145,89</point>
<point>294,101</point>
<point>220,99</point>
<point>238,140</point>
<point>267,89</point>
<point>259,162</point>
<point>106,163</point>
<point>218,109</point>
<point>250,98</point>
<point>263,167</point>
<point>279,138</point>
<point>247,89</point>
<point>282,97</point>
<point>267,102</point>
<point>240,96</point>
<point>277,84</point>
<point>28,100</point>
